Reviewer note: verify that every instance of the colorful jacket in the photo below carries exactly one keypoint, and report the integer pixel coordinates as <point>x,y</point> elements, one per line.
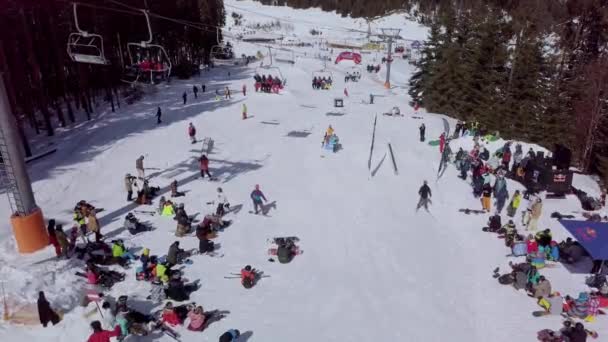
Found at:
<point>197,321</point>
<point>104,335</point>
<point>117,250</point>
<point>257,196</point>
<point>170,317</point>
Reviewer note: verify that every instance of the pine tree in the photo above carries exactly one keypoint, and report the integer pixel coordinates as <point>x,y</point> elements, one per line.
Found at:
<point>430,54</point>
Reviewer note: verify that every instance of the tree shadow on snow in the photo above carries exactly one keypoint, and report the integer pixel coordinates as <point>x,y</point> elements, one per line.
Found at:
<point>85,140</point>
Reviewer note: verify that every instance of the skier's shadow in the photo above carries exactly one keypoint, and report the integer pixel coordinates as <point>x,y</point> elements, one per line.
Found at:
<point>244,337</point>
<point>235,209</point>
<point>266,207</point>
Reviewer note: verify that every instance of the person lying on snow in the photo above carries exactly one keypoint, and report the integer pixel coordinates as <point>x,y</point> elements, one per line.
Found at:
<point>571,251</point>
<point>99,276</point>
<point>522,276</point>
<point>183,221</point>
<point>133,226</point>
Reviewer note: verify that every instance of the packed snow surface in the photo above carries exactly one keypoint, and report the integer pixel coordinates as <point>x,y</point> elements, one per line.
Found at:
<point>373,269</point>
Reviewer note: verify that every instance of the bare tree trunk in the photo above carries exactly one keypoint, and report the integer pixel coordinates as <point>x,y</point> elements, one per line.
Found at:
<point>37,81</point>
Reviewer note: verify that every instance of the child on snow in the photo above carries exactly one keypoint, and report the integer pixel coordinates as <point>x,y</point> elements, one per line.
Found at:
<point>257,196</point>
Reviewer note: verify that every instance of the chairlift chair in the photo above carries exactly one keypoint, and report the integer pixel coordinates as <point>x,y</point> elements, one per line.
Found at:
<point>221,54</point>
<point>149,63</point>
<point>83,46</point>
<point>271,70</point>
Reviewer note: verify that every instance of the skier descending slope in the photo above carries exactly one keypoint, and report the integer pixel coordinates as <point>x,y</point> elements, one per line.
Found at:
<point>192,133</point>
<point>425,197</point>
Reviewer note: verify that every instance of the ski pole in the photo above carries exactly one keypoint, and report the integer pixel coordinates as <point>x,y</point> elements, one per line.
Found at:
<point>99,309</point>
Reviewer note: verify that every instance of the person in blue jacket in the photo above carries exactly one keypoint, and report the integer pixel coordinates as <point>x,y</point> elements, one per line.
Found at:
<point>257,196</point>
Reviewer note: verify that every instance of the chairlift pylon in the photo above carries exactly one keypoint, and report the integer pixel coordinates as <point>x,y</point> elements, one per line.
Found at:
<point>146,64</point>
<point>83,46</point>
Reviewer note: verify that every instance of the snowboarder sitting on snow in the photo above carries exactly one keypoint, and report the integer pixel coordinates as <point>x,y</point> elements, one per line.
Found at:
<point>183,221</point>
<point>99,276</point>
<point>168,209</point>
<point>197,318</point>
<point>170,315</point>
<point>257,196</point>
<point>178,290</point>
<point>119,251</point>
<point>205,245</point>
<point>249,277</point>
<point>174,192</point>
<point>286,251</point>
<point>133,225</point>
<point>176,255</point>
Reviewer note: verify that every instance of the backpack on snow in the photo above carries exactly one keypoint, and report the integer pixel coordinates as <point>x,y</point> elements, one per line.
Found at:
<point>519,249</point>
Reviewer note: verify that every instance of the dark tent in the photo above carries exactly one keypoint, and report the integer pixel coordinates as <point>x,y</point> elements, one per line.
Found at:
<point>593,236</point>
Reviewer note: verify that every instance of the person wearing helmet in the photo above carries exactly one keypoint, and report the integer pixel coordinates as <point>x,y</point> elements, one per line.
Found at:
<point>248,276</point>
<point>257,196</point>
<point>425,197</point>
<point>222,202</point>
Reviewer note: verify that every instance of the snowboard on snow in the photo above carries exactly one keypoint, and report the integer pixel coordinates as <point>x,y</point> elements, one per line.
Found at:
<point>273,251</point>
<point>259,214</point>
<point>280,240</point>
<point>472,211</point>
<point>434,142</point>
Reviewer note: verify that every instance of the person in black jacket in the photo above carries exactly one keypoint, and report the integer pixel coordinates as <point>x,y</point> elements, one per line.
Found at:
<point>158,115</point>
<point>422,129</point>
<point>425,196</point>
<point>178,291</point>
<point>45,312</point>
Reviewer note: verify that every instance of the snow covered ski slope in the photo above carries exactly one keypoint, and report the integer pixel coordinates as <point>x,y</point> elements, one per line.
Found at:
<point>374,269</point>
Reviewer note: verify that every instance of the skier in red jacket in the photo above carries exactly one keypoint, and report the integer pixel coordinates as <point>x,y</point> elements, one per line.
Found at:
<point>441,142</point>
<point>192,133</point>
<point>204,165</point>
<point>100,335</point>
